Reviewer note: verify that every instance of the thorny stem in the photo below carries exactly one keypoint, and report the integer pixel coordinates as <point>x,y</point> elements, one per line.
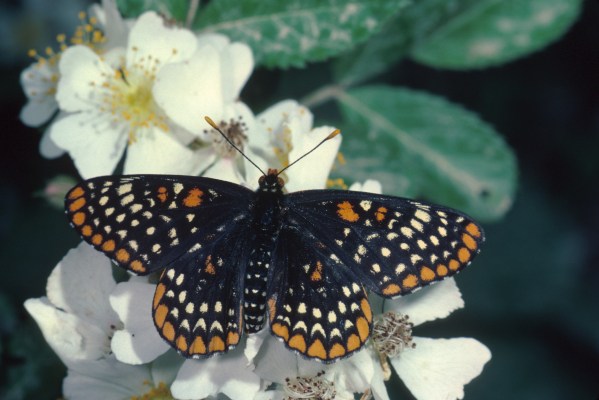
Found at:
<point>191,12</point>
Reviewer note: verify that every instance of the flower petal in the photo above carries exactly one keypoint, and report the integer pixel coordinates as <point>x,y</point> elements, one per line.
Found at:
<point>94,145</point>
<point>39,84</point>
<point>105,379</point>
<point>438,369</point>
<point>71,338</point>
<point>82,73</point>
<point>354,374</point>
<point>49,149</point>
<point>227,374</point>
<point>158,152</point>
<point>152,41</point>
<point>432,302</point>
<point>81,283</point>
<point>139,342</point>
<point>377,385</point>
<point>369,186</point>
<point>314,169</point>
<point>191,90</point>
<point>39,110</point>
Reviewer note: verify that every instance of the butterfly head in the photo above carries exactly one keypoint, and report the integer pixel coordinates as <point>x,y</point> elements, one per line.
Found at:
<point>271,182</point>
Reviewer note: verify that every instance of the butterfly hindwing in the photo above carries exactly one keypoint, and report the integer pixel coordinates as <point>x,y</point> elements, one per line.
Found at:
<point>392,245</point>
<point>315,307</point>
<point>145,222</point>
<point>197,304</point>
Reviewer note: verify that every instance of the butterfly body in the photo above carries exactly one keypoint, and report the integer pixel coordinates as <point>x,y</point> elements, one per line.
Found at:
<point>231,257</point>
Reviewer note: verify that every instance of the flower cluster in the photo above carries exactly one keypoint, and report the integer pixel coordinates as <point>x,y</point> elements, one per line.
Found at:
<point>138,90</point>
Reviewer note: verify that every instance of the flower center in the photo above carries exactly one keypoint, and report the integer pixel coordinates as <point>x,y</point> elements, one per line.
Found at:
<point>309,388</point>
<point>392,333</point>
<point>128,98</point>
<point>235,131</point>
<point>160,392</point>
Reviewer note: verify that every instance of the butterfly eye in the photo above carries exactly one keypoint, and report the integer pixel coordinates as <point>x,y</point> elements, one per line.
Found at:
<point>261,180</point>
<point>280,181</point>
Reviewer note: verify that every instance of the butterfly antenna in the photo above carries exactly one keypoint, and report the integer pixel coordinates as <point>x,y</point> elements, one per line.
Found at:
<point>331,135</point>
<point>213,124</point>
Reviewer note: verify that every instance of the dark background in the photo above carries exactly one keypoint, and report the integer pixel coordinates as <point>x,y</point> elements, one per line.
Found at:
<point>531,297</point>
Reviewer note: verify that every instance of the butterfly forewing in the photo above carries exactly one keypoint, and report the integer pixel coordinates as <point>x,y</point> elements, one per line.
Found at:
<point>392,245</point>
<point>146,222</point>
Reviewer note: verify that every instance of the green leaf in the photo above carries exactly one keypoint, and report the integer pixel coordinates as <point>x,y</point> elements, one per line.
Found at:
<point>411,25</point>
<point>291,33</point>
<point>420,145</point>
<point>172,9</point>
<point>492,32</point>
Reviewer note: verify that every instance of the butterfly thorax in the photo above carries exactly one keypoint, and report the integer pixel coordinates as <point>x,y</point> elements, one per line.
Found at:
<point>266,222</point>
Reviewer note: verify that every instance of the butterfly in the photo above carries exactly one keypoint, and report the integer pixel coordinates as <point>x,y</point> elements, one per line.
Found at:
<point>230,258</point>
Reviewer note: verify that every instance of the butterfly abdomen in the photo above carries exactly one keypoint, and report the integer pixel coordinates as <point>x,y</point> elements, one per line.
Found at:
<point>266,211</point>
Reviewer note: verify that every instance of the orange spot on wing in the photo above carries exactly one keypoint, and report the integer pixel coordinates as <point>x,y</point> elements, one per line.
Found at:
<point>297,342</point>
<point>97,239</point>
<point>209,266</point>
<point>363,328</point>
<point>160,289</point>
<point>198,346</point>
<point>427,274</point>
<point>122,256</point>
<point>442,270</point>
<point>463,255</point>
<point>194,198</point>
<point>137,266</point>
<point>353,342</point>
<point>365,306</point>
<point>108,245</point>
<point>336,351</point>
<point>391,289</point>
<point>380,213</point>
<point>410,281</point>
<point>472,229</point>
<point>181,343</point>
<point>346,212</point>
<point>86,231</point>
<point>77,204</point>
<point>280,331</point>
<point>78,218</point>
<point>160,315</point>
<point>168,330</point>
<point>216,344</point>
<point>232,338</point>
<point>162,194</point>
<point>469,241</point>
<point>76,192</point>
<point>317,273</point>
<point>454,265</point>
<point>317,350</point>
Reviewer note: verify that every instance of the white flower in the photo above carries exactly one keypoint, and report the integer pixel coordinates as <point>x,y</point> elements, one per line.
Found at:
<point>110,106</point>
<point>77,322</point>
<point>76,318</point>
<point>284,134</point>
<point>40,80</point>
<point>433,368</point>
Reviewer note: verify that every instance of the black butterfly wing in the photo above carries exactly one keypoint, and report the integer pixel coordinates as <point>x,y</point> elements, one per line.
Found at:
<point>316,307</point>
<point>392,245</point>
<point>195,228</point>
<point>336,244</point>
